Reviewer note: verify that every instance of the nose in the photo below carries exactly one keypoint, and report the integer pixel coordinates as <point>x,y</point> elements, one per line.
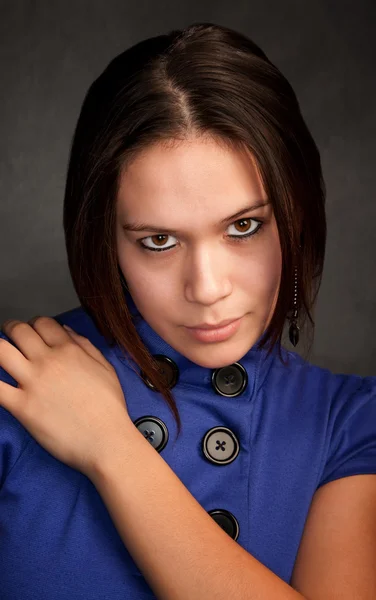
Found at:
<point>207,281</point>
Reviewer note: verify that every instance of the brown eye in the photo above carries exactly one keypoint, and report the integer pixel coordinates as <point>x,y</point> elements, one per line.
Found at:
<point>158,237</point>
<point>243,224</point>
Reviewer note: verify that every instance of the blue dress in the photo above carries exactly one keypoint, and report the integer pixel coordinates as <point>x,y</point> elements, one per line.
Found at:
<point>258,439</point>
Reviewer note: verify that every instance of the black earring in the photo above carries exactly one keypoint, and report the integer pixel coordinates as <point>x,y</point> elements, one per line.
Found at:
<point>294,328</point>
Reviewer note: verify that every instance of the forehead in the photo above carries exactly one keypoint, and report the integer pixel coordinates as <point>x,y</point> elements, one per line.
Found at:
<point>192,175</point>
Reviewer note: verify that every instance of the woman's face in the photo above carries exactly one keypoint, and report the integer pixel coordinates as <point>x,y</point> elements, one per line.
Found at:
<point>204,276</point>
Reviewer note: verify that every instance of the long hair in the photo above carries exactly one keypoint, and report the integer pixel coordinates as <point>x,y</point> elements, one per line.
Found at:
<point>204,80</point>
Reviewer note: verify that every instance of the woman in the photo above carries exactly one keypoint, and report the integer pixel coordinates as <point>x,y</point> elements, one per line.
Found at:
<point>194,197</point>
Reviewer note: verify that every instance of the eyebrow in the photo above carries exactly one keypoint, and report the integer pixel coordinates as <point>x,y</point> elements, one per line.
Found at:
<point>137,226</point>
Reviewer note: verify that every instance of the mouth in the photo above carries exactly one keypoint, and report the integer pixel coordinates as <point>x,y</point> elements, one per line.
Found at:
<point>218,326</point>
<point>217,334</point>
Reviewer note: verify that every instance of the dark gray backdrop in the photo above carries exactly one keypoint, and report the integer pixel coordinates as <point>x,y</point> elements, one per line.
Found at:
<point>51,52</point>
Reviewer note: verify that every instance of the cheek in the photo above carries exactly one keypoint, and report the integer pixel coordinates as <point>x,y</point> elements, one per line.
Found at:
<point>273,258</point>
<point>268,276</point>
<point>266,269</point>
<point>263,289</point>
<point>150,290</point>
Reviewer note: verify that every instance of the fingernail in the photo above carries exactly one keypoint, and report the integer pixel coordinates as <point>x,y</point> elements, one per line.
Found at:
<point>68,328</point>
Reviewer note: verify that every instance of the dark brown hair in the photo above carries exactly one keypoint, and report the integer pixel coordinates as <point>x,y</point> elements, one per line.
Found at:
<point>205,80</point>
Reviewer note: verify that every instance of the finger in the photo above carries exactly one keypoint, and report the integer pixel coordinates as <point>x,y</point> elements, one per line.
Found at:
<point>14,362</point>
<point>36,336</point>
<point>32,343</point>
<point>49,330</point>
<point>13,400</point>
<point>27,340</point>
<point>86,344</point>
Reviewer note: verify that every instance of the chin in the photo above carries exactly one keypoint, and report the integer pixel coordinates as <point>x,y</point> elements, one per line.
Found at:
<point>215,356</point>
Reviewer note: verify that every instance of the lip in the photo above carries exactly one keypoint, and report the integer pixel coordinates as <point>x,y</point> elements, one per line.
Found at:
<point>218,334</point>
<point>218,326</point>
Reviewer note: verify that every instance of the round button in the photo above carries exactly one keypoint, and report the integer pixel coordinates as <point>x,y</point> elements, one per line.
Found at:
<point>220,445</point>
<point>227,521</point>
<point>154,430</point>
<point>230,381</point>
<point>168,368</point>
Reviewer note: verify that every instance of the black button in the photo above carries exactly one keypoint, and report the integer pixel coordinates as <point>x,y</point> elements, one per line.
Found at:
<point>154,430</point>
<point>227,521</point>
<point>168,368</point>
<point>230,381</point>
<point>220,445</point>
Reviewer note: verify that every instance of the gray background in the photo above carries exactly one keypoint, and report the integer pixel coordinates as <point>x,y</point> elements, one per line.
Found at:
<point>52,51</point>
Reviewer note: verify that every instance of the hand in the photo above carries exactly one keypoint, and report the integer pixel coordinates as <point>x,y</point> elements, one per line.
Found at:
<point>68,396</point>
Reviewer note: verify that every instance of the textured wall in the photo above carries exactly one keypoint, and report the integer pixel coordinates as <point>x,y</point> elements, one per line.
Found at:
<point>52,51</point>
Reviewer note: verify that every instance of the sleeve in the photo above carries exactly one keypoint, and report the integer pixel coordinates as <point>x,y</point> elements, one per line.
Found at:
<point>13,436</point>
<point>352,430</point>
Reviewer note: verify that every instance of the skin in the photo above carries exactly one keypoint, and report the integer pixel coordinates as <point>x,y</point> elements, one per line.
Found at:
<point>207,276</point>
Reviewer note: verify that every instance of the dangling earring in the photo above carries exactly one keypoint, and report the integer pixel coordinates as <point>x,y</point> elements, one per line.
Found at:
<point>294,328</point>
